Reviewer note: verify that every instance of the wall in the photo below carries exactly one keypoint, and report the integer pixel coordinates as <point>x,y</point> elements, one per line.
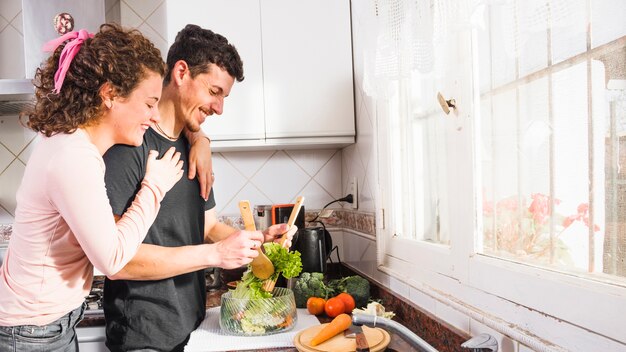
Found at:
<point>360,159</point>
<point>263,177</point>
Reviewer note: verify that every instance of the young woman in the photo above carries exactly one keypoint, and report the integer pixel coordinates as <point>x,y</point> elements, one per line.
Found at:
<point>93,92</point>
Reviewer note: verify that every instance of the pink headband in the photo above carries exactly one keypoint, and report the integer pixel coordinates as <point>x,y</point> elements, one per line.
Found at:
<point>67,55</point>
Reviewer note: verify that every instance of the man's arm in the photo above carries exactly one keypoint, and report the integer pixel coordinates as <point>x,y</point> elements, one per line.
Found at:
<point>215,231</point>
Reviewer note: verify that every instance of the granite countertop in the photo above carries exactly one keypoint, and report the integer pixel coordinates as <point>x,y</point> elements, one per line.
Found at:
<point>213,300</point>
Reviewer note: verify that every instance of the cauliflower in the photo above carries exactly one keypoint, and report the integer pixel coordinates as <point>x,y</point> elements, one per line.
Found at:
<point>374,308</point>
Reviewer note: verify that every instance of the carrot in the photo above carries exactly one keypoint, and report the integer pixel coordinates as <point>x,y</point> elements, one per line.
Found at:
<point>286,322</point>
<point>337,325</point>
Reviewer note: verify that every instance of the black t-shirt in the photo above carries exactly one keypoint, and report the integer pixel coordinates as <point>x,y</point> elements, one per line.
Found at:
<point>157,314</point>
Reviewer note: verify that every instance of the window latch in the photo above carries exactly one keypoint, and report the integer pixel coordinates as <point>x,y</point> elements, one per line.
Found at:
<point>446,105</point>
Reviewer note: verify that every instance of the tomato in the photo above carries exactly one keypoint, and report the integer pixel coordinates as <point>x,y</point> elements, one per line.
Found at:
<point>334,306</point>
<point>315,305</point>
<point>348,301</point>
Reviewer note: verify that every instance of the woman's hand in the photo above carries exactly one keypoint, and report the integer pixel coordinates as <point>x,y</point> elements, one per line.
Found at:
<point>164,172</point>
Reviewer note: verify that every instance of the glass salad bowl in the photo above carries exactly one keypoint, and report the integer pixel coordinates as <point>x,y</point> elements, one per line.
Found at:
<point>257,317</point>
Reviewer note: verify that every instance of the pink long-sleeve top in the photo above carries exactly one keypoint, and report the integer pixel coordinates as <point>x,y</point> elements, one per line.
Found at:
<point>63,225</point>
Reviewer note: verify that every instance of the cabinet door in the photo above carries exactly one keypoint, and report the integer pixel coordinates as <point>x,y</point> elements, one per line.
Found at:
<point>239,22</point>
<point>307,68</point>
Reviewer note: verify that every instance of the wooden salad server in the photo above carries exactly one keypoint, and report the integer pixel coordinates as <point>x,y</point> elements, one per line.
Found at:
<point>268,285</point>
<point>261,265</point>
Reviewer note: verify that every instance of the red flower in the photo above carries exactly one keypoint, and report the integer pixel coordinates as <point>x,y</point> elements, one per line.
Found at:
<point>541,207</point>
<point>582,215</point>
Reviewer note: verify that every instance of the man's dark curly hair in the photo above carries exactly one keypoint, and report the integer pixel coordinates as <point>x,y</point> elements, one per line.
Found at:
<point>122,57</point>
<point>199,47</point>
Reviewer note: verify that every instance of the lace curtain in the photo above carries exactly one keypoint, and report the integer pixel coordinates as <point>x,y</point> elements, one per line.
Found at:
<point>411,37</point>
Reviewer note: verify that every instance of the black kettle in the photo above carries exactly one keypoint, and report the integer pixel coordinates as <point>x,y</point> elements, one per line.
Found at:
<point>314,245</point>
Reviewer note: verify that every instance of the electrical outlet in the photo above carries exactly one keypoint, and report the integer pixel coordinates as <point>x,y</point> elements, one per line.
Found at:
<point>354,190</point>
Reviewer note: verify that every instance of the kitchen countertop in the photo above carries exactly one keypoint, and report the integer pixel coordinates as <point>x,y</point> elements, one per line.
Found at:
<point>213,300</point>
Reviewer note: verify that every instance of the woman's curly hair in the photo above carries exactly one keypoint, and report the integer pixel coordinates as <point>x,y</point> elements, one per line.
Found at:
<point>122,57</point>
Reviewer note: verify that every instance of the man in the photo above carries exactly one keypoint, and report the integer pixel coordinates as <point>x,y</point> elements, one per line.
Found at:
<point>158,299</point>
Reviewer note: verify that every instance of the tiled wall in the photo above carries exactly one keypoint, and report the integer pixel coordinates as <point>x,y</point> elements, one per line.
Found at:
<point>360,159</point>
<point>265,177</point>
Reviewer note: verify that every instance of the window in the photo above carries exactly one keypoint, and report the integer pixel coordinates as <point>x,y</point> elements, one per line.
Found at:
<point>514,204</point>
<point>552,103</point>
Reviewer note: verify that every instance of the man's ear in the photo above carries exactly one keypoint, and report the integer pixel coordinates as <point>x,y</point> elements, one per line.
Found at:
<point>179,71</point>
<point>107,94</point>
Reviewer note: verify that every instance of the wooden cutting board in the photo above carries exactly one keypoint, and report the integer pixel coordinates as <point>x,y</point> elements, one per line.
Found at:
<point>377,338</point>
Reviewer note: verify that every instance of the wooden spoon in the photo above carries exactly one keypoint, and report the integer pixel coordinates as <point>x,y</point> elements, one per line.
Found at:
<point>262,266</point>
<point>268,285</point>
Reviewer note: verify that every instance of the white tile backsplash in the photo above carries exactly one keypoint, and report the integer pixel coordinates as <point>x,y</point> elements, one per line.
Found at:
<point>453,316</point>
<point>157,20</point>
<point>129,16</point>
<point>112,11</point>
<point>228,182</point>
<point>5,216</point>
<point>18,23</point>
<point>9,9</point>
<point>143,8</point>
<point>6,157</point>
<point>25,154</point>
<point>311,161</point>
<point>249,163</point>
<point>13,135</point>
<point>313,193</point>
<point>155,37</point>
<point>11,53</point>
<point>10,180</point>
<point>329,178</point>
<point>281,178</point>
<point>248,192</point>
<point>422,300</point>
<point>3,23</point>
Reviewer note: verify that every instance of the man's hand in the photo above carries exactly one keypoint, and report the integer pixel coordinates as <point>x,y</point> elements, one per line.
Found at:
<point>200,162</point>
<point>238,249</point>
<point>276,233</point>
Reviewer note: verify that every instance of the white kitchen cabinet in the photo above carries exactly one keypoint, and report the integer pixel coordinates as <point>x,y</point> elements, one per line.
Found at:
<point>307,64</point>
<point>239,22</point>
<point>297,55</point>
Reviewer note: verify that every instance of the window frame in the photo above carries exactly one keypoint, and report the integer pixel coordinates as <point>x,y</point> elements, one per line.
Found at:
<point>557,308</point>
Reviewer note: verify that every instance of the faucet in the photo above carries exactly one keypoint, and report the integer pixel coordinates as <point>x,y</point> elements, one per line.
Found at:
<point>372,321</point>
<point>481,341</point>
